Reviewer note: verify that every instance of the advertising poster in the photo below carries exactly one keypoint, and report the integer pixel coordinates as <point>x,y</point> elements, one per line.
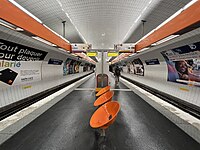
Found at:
<point>138,67</point>
<point>76,67</point>
<point>19,72</point>
<point>16,52</point>
<point>183,64</point>
<point>66,66</point>
<point>85,68</point>
<point>71,67</point>
<point>128,67</point>
<point>152,62</point>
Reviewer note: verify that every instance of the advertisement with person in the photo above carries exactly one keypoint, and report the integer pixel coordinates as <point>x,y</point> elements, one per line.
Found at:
<point>19,72</point>
<point>66,66</point>
<point>76,66</point>
<point>138,67</point>
<point>71,67</point>
<point>128,67</point>
<point>183,64</point>
<point>85,68</point>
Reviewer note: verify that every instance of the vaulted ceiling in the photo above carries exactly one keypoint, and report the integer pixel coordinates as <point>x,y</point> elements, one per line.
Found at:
<point>103,23</point>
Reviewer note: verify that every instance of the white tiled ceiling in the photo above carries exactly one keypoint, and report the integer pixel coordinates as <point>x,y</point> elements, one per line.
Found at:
<point>51,15</point>
<point>102,23</point>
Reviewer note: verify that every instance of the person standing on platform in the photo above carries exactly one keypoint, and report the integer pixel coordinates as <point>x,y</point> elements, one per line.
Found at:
<point>117,74</point>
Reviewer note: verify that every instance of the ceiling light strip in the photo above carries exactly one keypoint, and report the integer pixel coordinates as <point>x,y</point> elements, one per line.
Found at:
<point>60,4</point>
<point>180,20</point>
<point>130,29</point>
<point>21,19</point>
<point>24,10</point>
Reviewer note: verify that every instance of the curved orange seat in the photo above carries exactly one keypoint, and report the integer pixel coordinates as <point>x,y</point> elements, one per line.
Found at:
<point>103,90</point>
<point>105,115</point>
<point>104,98</point>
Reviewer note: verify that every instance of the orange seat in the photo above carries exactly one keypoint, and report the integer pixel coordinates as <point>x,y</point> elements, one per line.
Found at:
<point>104,98</point>
<point>105,115</point>
<point>103,90</point>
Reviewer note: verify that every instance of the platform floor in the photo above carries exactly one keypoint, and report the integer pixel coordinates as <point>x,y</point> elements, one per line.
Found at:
<point>66,126</point>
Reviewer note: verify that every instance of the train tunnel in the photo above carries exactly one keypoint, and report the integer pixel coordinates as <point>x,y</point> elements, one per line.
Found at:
<point>99,75</point>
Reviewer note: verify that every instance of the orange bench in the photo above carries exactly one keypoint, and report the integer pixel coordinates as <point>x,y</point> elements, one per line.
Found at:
<point>105,115</point>
<point>103,90</point>
<point>104,98</point>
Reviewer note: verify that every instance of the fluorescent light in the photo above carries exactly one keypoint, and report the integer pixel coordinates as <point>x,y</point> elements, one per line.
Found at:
<point>130,29</point>
<point>132,54</point>
<point>169,19</point>
<point>60,4</point>
<point>26,11</point>
<point>138,18</point>
<point>44,41</point>
<point>142,50</point>
<point>61,49</point>
<point>144,9</point>
<point>7,25</point>
<point>190,4</point>
<point>19,29</point>
<point>167,39</point>
<point>10,26</point>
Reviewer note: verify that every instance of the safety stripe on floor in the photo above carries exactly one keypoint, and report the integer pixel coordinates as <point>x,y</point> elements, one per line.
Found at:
<point>85,89</point>
<point>125,90</point>
<point>93,89</point>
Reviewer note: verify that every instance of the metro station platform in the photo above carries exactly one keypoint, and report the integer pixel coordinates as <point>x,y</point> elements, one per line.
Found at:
<point>65,126</point>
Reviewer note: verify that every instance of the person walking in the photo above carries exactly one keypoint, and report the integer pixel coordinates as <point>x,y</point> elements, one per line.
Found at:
<point>117,74</point>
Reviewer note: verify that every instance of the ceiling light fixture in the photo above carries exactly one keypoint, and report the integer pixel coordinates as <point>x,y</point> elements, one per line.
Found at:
<point>166,39</point>
<point>189,4</point>
<point>19,29</point>
<point>71,21</point>
<point>169,19</point>
<point>26,11</point>
<point>130,29</point>
<point>44,41</point>
<point>63,50</point>
<point>132,54</point>
<point>7,25</point>
<point>10,26</point>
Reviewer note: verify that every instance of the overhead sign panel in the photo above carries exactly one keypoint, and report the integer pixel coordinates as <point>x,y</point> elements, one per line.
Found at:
<point>113,54</point>
<point>81,46</point>
<point>92,54</point>
<point>124,47</point>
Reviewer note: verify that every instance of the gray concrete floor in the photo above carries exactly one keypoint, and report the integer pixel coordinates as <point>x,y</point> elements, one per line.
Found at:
<point>66,127</point>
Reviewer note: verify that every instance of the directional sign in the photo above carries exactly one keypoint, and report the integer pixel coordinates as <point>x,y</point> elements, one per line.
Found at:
<point>91,54</point>
<point>113,54</point>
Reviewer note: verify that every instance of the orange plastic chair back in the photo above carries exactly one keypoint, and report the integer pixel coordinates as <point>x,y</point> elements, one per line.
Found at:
<point>104,98</point>
<point>103,90</point>
<point>105,115</point>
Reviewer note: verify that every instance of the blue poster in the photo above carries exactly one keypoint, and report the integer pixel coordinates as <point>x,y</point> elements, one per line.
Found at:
<point>54,61</point>
<point>152,62</point>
